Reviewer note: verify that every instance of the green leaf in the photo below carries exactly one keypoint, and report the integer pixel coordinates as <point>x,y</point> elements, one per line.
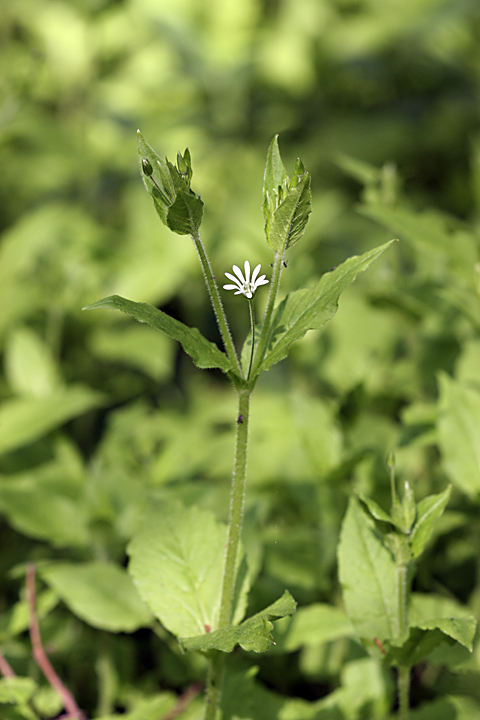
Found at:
<point>29,365</point>
<point>367,576</point>
<point>311,308</point>
<point>176,561</point>
<point>433,620</point>
<point>275,173</point>
<point>459,433</point>
<point>428,510</point>
<point>25,420</point>
<point>287,203</point>
<point>185,214</point>
<point>100,593</point>
<point>377,512</point>
<point>15,690</point>
<point>204,353</point>
<point>447,708</point>
<point>290,218</point>
<point>169,186</point>
<point>311,626</point>
<point>254,634</point>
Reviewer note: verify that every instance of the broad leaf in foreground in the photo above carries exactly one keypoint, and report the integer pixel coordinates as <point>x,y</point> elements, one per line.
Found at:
<point>254,634</point>
<point>176,561</point>
<point>367,576</point>
<point>311,308</point>
<point>204,353</point>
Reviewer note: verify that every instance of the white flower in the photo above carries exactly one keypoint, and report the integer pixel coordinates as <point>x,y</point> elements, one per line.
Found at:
<point>243,285</point>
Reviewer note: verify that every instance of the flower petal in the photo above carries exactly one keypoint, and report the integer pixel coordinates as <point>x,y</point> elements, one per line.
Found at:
<point>255,273</point>
<point>238,273</point>
<point>232,277</point>
<point>247,272</point>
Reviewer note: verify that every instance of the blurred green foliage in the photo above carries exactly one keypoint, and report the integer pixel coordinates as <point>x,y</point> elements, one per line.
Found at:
<point>98,416</point>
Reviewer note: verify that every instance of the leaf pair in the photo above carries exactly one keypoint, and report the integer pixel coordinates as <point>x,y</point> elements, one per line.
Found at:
<point>179,576</point>
<point>369,577</point>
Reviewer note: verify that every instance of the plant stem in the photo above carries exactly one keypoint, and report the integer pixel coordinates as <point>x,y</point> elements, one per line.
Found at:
<point>403,683</point>
<point>401,581</point>
<point>216,669</point>
<point>252,325</point>
<point>267,318</point>
<point>237,503</point>
<point>216,302</point>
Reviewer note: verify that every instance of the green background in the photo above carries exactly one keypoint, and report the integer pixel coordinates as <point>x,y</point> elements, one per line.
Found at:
<point>380,99</point>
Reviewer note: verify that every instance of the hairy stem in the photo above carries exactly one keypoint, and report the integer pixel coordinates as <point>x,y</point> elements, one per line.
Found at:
<point>401,581</point>
<point>237,503</point>
<point>403,684</point>
<point>216,302</point>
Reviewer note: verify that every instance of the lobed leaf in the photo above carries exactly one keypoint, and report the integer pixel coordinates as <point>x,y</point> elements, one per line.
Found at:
<point>311,308</point>
<point>204,353</point>
<point>254,634</point>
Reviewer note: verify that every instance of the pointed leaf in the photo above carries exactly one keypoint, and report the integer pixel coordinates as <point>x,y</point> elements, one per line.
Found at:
<point>429,509</point>
<point>377,512</point>
<point>275,173</point>
<point>185,214</point>
<point>311,308</point>
<point>254,634</point>
<point>204,353</point>
<point>176,561</point>
<point>367,575</point>
<point>289,220</point>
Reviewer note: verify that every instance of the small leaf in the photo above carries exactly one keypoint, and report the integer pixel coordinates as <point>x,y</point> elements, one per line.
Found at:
<point>375,510</point>
<point>367,575</point>
<point>275,173</point>
<point>254,634</point>
<point>16,689</point>
<point>289,220</point>
<point>311,308</point>
<point>185,214</point>
<point>178,573</point>
<point>100,593</point>
<point>204,353</point>
<point>428,510</point>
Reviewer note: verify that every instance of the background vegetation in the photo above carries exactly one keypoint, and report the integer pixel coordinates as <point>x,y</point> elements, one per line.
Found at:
<point>99,415</point>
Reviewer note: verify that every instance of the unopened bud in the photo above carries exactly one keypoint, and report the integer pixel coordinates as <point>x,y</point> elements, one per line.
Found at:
<point>147,167</point>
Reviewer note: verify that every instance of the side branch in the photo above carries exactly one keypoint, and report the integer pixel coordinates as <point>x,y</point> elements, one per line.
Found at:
<point>39,654</point>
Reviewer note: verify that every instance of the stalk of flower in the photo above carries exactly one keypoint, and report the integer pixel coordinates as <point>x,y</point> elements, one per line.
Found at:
<point>244,285</point>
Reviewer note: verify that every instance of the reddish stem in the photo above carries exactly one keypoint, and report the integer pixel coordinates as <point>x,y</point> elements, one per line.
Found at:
<point>5,668</point>
<point>183,702</point>
<point>39,654</point>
